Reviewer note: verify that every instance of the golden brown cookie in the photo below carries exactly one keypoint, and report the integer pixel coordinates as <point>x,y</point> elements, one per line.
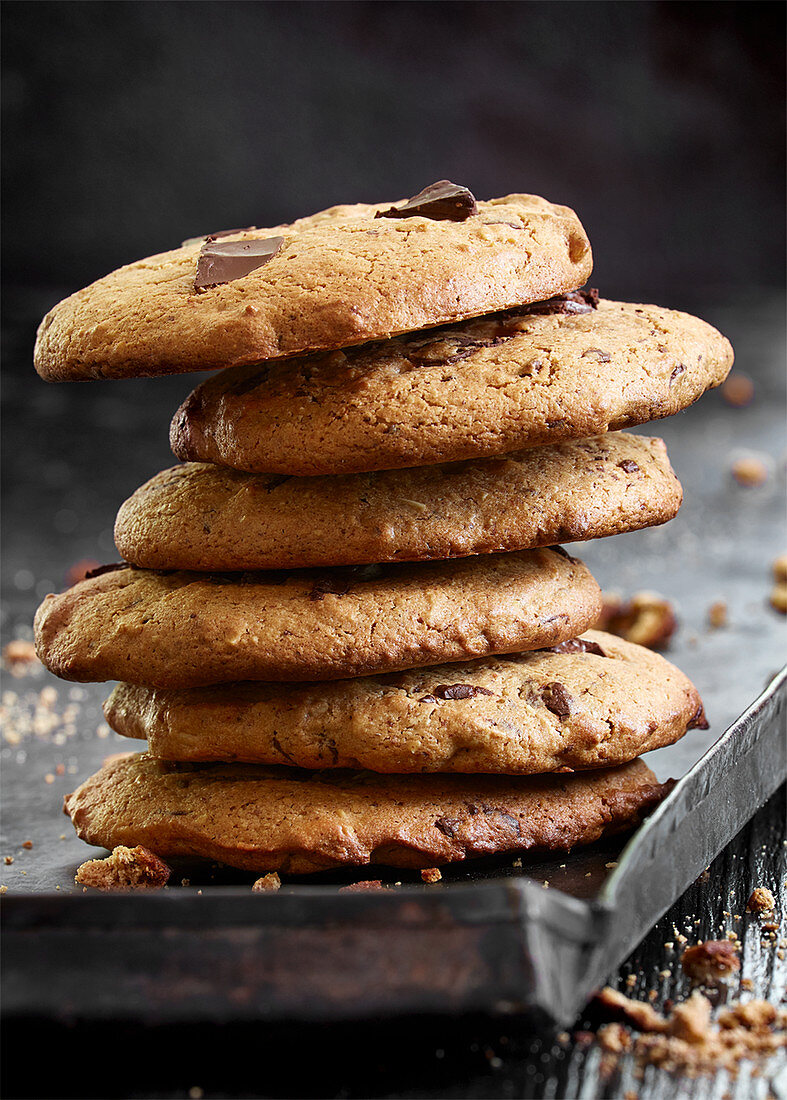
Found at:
<point>202,516</point>
<point>187,629</point>
<point>283,819</point>
<point>592,702</point>
<point>340,277</point>
<point>484,387</point>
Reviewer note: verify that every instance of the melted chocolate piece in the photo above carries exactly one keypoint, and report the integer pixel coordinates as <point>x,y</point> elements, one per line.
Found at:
<point>441,201</point>
<point>454,691</point>
<point>555,698</point>
<point>101,569</point>
<point>699,721</point>
<point>448,826</point>
<point>222,263</point>
<point>577,645</point>
<point>629,466</point>
<point>216,235</point>
<point>575,301</point>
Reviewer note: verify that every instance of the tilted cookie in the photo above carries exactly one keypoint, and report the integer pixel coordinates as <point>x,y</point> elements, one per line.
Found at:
<point>184,629</point>
<point>202,516</point>
<point>484,387</point>
<point>344,276</point>
<point>283,819</point>
<point>591,702</point>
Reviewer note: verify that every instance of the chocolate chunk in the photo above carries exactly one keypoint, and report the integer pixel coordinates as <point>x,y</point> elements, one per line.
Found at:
<point>455,691</point>
<point>448,826</point>
<point>222,263</point>
<point>577,645</point>
<point>101,569</point>
<point>555,698</point>
<point>629,466</point>
<point>575,301</point>
<point>216,235</point>
<point>602,356</point>
<point>442,201</point>
<point>699,721</point>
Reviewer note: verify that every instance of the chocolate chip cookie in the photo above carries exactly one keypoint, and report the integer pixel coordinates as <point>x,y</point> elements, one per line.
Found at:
<point>283,819</point>
<point>202,516</point>
<point>184,629</point>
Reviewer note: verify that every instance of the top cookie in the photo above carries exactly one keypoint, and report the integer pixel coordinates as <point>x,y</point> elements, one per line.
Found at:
<point>536,375</point>
<point>340,277</point>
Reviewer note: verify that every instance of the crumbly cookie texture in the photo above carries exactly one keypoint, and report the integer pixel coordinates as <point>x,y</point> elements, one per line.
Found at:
<point>484,387</point>
<point>184,629</point>
<point>124,869</point>
<point>592,702</point>
<point>202,516</point>
<point>340,277</point>
<point>283,819</point>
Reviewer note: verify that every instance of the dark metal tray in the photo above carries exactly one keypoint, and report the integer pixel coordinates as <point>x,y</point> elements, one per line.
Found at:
<point>493,942</point>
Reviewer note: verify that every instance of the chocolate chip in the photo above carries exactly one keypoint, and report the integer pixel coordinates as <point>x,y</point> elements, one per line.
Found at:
<point>222,263</point>
<point>575,301</point>
<point>455,691</point>
<point>602,356</point>
<point>448,826</point>
<point>678,370</point>
<point>216,235</point>
<point>629,466</point>
<point>101,569</point>
<point>699,720</point>
<point>555,698</point>
<point>441,201</point>
<point>577,645</point>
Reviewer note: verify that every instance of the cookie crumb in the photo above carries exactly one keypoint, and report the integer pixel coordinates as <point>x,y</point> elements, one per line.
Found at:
<point>365,884</point>
<point>614,1038</point>
<point>749,471</point>
<point>717,615</point>
<point>646,619</point>
<point>28,844</point>
<point>761,901</point>
<point>267,882</point>
<point>738,390</point>
<point>431,874</point>
<point>711,962</point>
<point>125,869</point>
<point>195,1093</point>
<point>8,860</point>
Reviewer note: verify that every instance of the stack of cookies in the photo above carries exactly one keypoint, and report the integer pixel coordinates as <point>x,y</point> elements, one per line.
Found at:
<point>344,623</point>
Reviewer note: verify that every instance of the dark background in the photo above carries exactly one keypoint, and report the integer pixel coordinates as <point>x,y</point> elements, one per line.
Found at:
<point>129,126</point>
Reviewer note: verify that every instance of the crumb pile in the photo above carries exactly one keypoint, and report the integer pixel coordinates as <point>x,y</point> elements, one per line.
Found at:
<point>343,623</point>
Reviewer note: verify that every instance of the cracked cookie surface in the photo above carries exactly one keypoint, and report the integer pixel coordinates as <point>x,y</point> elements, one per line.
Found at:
<point>183,629</point>
<point>202,516</point>
<point>480,388</point>
<point>283,819</point>
<point>593,702</point>
<point>341,277</point>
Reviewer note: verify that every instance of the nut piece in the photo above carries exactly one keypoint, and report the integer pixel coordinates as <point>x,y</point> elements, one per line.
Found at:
<point>761,901</point>
<point>267,882</point>
<point>431,874</point>
<point>738,390</point>
<point>691,1019</point>
<point>646,619</point>
<point>749,471</point>
<point>19,654</point>
<point>717,615</point>
<point>125,869</point>
<point>710,962</point>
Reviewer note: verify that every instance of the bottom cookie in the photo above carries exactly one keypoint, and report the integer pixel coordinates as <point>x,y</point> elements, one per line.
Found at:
<point>282,819</point>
